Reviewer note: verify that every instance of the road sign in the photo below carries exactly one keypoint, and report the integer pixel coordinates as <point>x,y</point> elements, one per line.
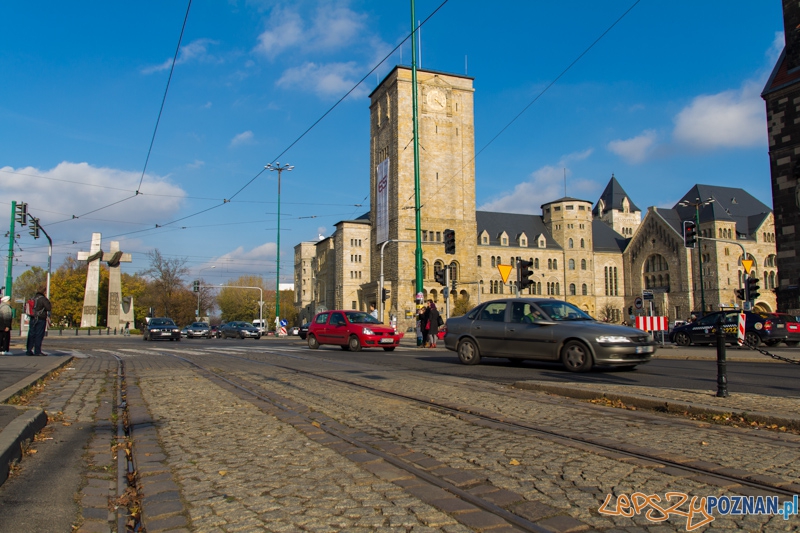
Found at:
<point>638,304</point>
<point>505,270</point>
<point>647,295</point>
<point>747,264</point>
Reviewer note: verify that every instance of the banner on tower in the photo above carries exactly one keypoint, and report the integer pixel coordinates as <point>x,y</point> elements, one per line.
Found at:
<point>382,207</point>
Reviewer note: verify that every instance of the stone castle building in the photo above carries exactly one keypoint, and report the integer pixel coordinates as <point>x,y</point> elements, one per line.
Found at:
<point>782,98</point>
<point>600,256</point>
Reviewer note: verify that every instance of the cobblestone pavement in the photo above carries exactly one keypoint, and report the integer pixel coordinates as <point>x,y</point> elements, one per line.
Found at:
<point>314,454</point>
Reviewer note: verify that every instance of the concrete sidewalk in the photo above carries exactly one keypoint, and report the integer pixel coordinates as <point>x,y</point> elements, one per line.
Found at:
<point>19,424</point>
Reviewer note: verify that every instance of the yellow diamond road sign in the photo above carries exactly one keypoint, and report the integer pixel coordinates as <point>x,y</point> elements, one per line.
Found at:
<point>505,270</point>
<point>748,265</point>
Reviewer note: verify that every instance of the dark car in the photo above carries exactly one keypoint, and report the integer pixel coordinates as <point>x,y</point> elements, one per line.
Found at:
<point>242,330</point>
<point>161,328</point>
<point>758,328</point>
<point>303,331</point>
<point>545,330</point>
<point>787,327</point>
<point>352,330</point>
<point>198,329</point>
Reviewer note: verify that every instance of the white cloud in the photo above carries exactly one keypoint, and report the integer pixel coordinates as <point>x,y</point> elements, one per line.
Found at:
<point>635,149</point>
<point>545,184</point>
<point>246,137</point>
<point>285,31</point>
<point>194,51</point>
<point>333,79</point>
<point>240,257</point>
<point>730,119</point>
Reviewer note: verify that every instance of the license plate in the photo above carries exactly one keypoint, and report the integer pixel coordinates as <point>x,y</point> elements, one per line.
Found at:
<point>644,349</point>
<point>781,326</point>
<point>386,340</point>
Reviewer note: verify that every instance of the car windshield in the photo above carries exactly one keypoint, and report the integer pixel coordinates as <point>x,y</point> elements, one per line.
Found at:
<point>162,322</point>
<point>563,311</point>
<point>199,325</point>
<point>360,317</point>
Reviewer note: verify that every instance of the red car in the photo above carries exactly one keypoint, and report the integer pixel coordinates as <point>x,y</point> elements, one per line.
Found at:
<point>352,330</point>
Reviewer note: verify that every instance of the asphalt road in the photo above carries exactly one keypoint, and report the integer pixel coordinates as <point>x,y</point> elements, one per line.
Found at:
<point>697,373</point>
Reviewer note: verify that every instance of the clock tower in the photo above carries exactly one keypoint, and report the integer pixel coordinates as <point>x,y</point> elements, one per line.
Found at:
<point>447,186</point>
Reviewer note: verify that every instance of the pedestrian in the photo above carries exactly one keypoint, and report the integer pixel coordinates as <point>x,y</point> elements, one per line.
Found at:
<point>40,315</point>
<point>6,316</point>
<point>425,325</point>
<point>127,329</point>
<point>434,319</point>
<point>419,328</point>
<point>372,311</point>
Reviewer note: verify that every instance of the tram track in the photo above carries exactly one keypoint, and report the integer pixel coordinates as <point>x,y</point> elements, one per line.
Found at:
<point>712,475</point>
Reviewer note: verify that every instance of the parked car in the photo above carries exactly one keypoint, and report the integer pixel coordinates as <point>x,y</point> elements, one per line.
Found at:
<point>303,333</point>
<point>352,330</point>
<point>545,330</point>
<point>185,331</point>
<point>790,324</point>
<point>242,330</point>
<point>198,329</point>
<point>161,328</point>
<point>261,325</point>
<point>294,331</point>
<point>758,328</point>
<point>213,332</point>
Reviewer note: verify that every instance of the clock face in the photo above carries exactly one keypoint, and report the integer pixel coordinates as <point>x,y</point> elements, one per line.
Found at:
<point>436,99</point>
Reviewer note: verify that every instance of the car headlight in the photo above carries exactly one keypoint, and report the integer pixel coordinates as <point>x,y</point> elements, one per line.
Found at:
<point>367,331</point>
<point>176,331</point>
<point>612,339</point>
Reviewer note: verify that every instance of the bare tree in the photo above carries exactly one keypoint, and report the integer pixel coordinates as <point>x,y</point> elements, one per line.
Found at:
<point>167,283</point>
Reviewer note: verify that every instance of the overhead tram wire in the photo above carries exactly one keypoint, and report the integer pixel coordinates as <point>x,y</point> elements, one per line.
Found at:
<point>541,93</point>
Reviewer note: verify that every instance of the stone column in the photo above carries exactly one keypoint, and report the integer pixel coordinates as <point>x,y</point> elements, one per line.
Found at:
<point>114,257</point>
<point>93,256</point>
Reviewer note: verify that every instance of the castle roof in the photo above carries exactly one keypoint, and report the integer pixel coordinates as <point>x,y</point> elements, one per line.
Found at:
<point>731,204</point>
<point>512,224</point>
<point>612,198</point>
<point>605,239</point>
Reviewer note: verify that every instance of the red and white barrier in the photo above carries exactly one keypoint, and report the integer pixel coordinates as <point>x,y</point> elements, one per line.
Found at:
<point>740,329</point>
<point>652,323</point>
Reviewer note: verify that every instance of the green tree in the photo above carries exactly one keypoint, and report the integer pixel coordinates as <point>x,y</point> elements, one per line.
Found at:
<point>240,304</point>
<point>135,286</point>
<point>27,283</point>
<point>67,288</point>
<point>460,306</point>
<point>166,283</point>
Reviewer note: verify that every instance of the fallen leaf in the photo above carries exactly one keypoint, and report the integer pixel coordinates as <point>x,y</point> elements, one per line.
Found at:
<point>223,472</point>
<point>703,443</point>
<point>514,462</point>
<point>32,451</point>
<point>315,424</point>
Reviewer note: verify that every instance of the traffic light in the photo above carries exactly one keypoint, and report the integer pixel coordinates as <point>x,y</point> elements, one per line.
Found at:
<point>630,309</point>
<point>752,289</point>
<point>453,285</point>
<point>439,276</point>
<point>524,273</point>
<point>34,231</point>
<point>739,294</point>
<point>196,286</point>
<point>385,294</point>
<point>22,214</point>
<point>689,234</point>
<point>449,241</point>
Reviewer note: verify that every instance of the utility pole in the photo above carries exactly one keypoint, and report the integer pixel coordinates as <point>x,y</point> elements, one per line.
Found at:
<point>9,268</point>
<point>415,120</point>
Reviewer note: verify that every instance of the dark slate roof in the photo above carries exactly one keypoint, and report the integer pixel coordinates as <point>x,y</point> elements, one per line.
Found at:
<point>672,218</point>
<point>565,199</point>
<point>612,197</point>
<point>513,224</point>
<point>605,239</point>
<point>729,203</point>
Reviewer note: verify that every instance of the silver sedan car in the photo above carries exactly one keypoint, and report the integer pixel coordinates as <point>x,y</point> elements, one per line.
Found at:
<point>545,330</point>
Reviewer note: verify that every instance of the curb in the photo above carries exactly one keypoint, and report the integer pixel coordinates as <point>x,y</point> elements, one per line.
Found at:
<point>28,423</point>
<point>9,392</point>
<point>658,404</point>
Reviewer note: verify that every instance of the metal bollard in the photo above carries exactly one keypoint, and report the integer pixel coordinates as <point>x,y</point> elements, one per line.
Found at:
<point>115,331</point>
<point>89,332</point>
<point>722,363</point>
<point>76,332</point>
<point>60,331</point>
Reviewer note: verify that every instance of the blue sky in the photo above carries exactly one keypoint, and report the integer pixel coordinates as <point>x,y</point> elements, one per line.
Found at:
<point>669,97</point>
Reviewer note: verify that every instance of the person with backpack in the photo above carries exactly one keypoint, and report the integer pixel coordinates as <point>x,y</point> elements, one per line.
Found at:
<point>39,314</point>
<point>5,325</point>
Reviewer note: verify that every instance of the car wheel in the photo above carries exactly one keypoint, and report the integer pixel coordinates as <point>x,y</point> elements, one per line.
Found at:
<point>515,361</point>
<point>576,357</point>
<point>241,336</point>
<point>682,339</point>
<point>150,337</point>
<point>468,352</point>
<point>752,339</point>
<point>144,337</point>
<point>312,342</point>
<point>178,339</point>
<point>388,349</point>
<point>792,343</point>
<point>354,344</point>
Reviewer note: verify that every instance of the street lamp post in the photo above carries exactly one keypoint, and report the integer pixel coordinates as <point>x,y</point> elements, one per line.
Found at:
<point>199,289</point>
<point>277,167</point>
<point>697,204</point>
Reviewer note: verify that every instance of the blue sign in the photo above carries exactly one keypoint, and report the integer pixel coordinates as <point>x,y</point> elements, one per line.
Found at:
<point>284,323</point>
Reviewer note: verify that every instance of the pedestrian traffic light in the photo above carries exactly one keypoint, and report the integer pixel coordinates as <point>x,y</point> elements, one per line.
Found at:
<point>449,241</point>
<point>34,231</point>
<point>385,294</point>
<point>22,214</point>
<point>453,285</point>
<point>739,294</point>
<point>630,309</point>
<point>689,234</point>
<point>752,289</point>
<point>439,276</point>
<point>196,286</point>
<point>524,273</point>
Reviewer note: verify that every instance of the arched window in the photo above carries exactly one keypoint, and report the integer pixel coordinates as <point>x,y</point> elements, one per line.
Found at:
<point>493,263</point>
<point>536,264</point>
<point>453,271</point>
<point>550,264</point>
<point>583,264</point>
<point>584,290</point>
<point>424,270</point>
<point>558,288</point>
<point>555,264</point>
<point>570,243</point>
<point>479,260</point>
<point>572,264</point>
<point>583,243</point>
<point>572,289</point>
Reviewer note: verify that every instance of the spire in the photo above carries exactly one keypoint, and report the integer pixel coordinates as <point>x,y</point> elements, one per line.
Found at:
<point>612,198</point>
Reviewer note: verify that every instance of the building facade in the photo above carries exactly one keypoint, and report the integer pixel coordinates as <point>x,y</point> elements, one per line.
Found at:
<point>598,255</point>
